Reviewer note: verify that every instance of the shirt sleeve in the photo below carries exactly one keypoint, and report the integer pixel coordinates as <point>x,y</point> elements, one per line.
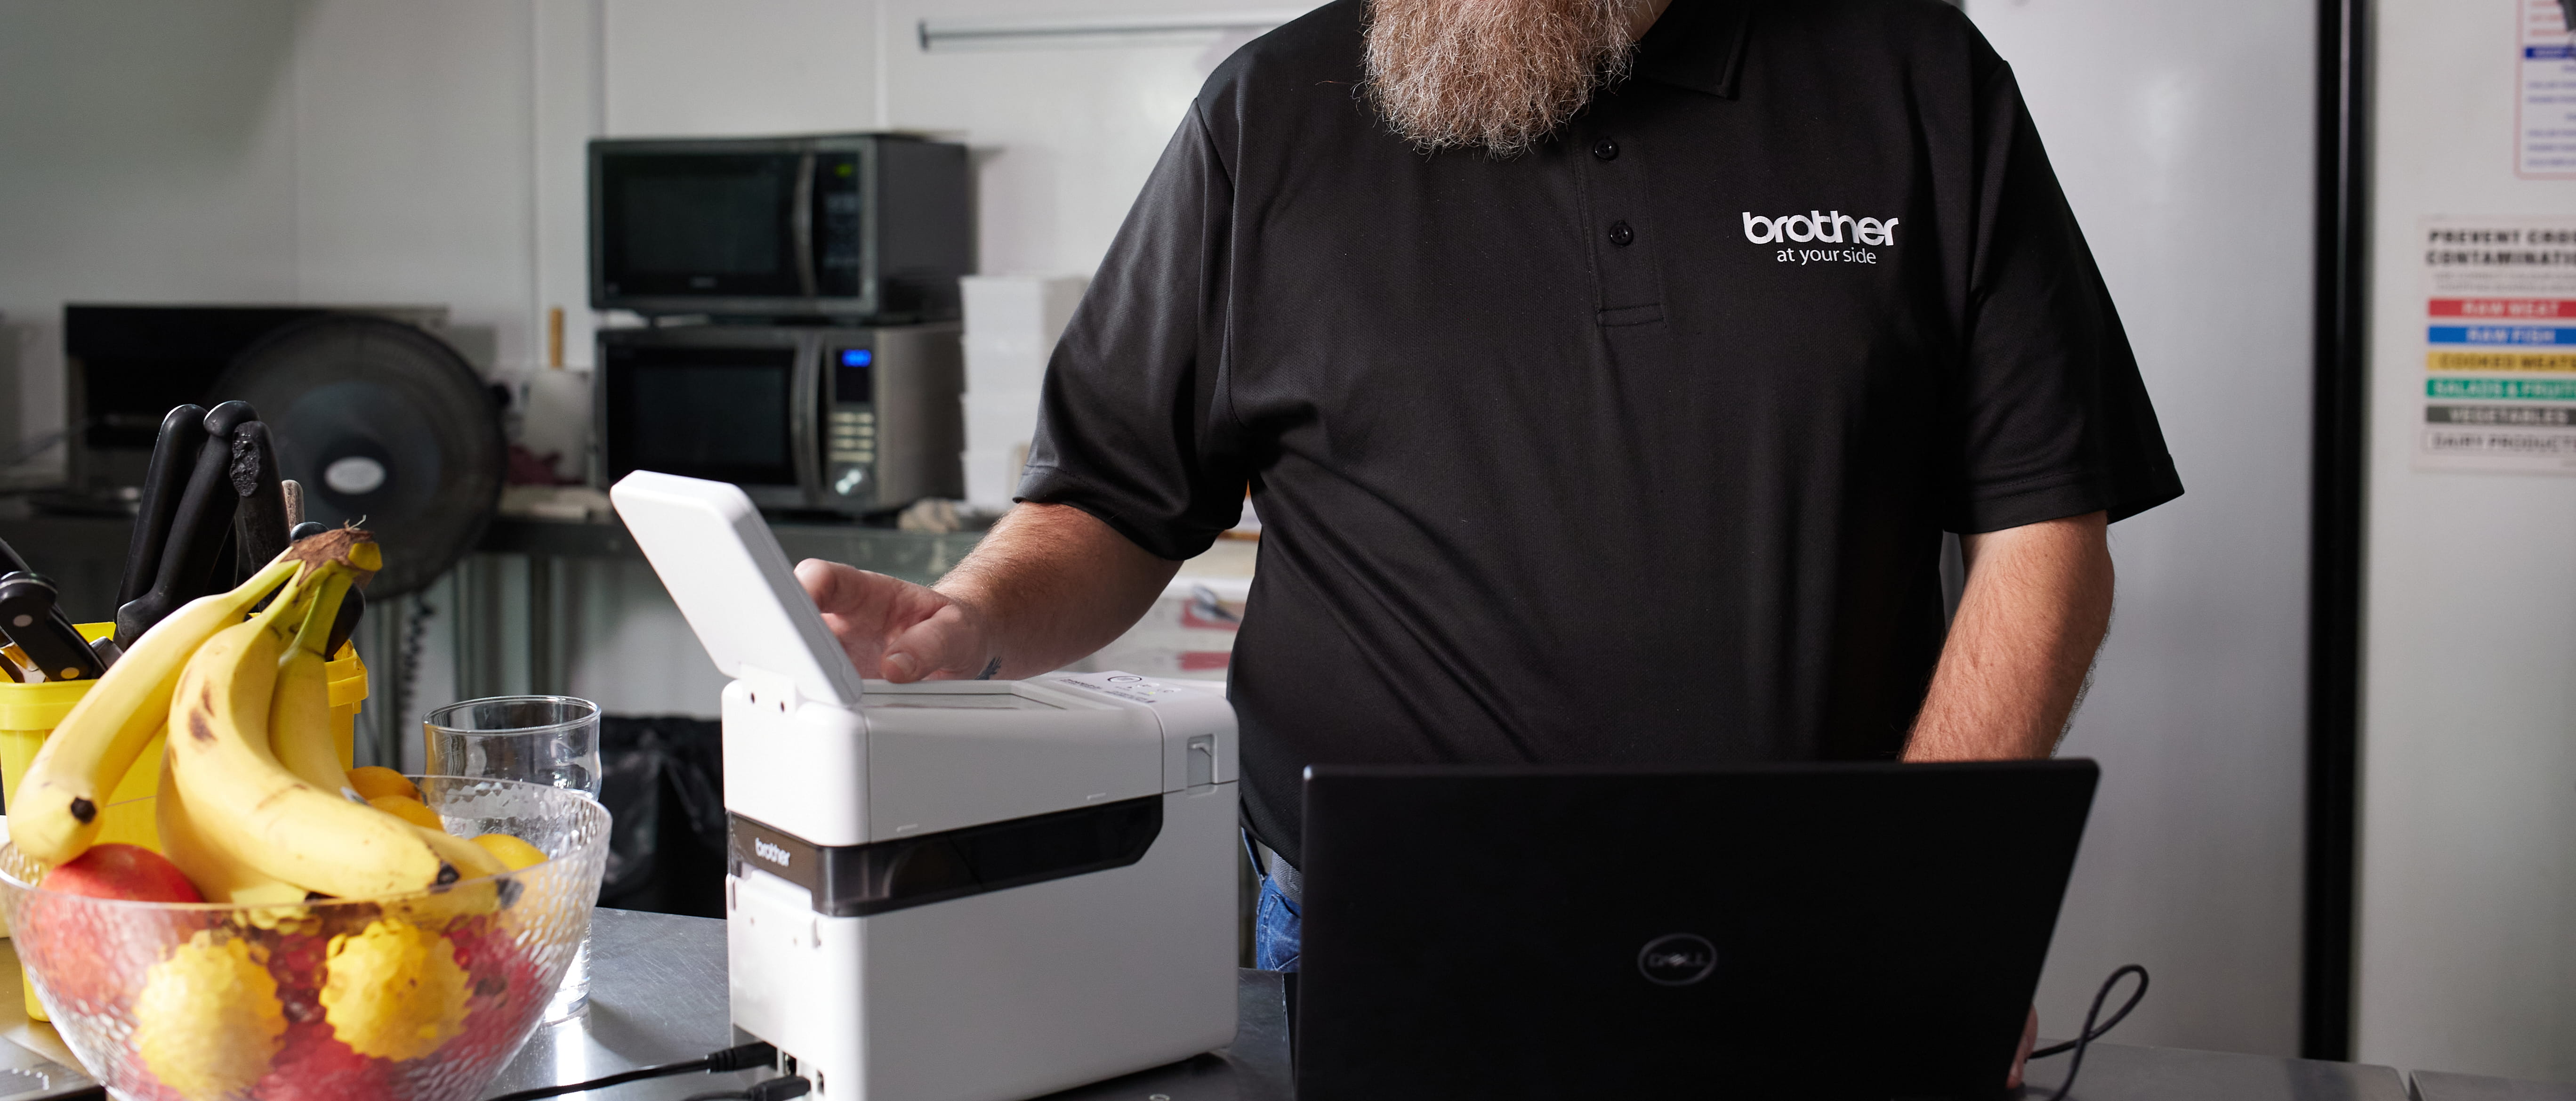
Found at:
<point>1130,428</point>
<point>2050,418</point>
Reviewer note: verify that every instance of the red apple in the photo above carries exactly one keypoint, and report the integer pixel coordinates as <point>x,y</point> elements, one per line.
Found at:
<point>94,956</point>
<point>122,871</point>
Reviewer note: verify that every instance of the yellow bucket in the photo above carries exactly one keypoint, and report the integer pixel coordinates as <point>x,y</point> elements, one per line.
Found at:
<point>29,712</point>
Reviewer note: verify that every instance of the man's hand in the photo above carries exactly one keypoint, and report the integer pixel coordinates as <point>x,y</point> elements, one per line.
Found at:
<point>1049,584</point>
<point>896,630</point>
<point>2037,603</point>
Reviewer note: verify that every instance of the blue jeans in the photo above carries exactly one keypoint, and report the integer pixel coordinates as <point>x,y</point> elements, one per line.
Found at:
<point>1275,929</point>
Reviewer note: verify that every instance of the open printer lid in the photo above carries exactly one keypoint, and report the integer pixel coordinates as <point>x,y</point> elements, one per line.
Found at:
<point>725,570</point>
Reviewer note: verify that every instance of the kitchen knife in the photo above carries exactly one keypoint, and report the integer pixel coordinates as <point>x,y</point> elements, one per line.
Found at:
<point>12,562</point>
<point>345,624</point>
<point>259,518</point>
<point>174,453</point>
<point>198,529</point>
<point>29,616</point>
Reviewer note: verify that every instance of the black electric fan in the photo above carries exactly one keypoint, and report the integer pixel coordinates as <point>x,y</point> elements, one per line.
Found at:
<point>386,427</point>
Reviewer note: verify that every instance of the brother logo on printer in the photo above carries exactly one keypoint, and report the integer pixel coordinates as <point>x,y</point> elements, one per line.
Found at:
<point>1677,959</point>
<point>769,852</point>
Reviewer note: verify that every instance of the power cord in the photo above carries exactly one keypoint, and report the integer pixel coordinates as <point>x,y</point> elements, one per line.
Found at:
<point>2092,1032</point>
<point>745,1057</point>
<point>775,1089</point>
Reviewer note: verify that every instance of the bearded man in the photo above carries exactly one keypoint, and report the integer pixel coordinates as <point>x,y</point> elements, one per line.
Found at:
<point>1605,377</point>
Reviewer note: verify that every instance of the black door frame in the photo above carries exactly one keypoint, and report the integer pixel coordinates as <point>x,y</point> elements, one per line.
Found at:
<point>2335,530</point>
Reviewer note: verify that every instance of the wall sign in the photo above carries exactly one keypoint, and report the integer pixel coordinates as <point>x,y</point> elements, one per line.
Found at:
<point>2544,110</point>
<point>2500,345</point>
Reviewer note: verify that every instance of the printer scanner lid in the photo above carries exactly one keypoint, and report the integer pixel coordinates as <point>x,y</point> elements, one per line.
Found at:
<point>729,577</point>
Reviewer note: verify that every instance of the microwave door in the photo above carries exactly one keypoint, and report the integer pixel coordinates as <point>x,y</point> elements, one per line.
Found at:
<point>702,226</point>
<point>725,413</point>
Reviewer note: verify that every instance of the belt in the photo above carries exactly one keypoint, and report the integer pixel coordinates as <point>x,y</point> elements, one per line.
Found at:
<point>1282,874</point>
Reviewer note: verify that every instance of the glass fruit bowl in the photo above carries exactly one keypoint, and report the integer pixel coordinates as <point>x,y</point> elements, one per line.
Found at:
<point>422,997</point>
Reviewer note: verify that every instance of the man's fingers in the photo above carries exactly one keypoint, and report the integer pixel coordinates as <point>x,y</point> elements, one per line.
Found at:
<point>838,589</point>
<point>942,647</point>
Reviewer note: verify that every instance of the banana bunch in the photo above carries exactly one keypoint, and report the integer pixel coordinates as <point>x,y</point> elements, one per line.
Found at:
<point>253,807</point>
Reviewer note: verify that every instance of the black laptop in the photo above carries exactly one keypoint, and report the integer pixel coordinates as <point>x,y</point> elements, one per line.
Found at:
<point>1790,931</point>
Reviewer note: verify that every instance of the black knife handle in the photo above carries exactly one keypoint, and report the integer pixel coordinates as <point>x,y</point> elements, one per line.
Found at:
<point>174,451</point>
<point>28,616</point>
<point>198,529</point>
<point>346,623</point>
<point>259,523</point>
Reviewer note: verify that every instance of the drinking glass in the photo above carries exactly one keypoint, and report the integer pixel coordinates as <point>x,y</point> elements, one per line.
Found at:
<point>534,739</point>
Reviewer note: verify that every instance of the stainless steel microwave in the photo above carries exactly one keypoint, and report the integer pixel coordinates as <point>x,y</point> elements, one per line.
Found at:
<point>871,228</point>
<point>804,418</point>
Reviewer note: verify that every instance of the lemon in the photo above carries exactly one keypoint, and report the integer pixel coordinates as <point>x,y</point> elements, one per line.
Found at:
<point>393,990</point>
<point>376,781</point>
<point>511,851</point>
<point>208,1020</point>
<point>409,810</point>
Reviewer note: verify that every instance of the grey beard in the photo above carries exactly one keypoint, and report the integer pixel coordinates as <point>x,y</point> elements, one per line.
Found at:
<point>1496,74</point>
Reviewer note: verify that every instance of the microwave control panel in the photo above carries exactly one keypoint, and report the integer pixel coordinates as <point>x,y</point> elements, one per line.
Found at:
<point>850,424</point>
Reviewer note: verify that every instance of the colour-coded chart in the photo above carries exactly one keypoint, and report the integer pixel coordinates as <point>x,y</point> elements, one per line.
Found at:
<point>2499,334</point>
<point>2504,308</point>
<point>2500,321</point>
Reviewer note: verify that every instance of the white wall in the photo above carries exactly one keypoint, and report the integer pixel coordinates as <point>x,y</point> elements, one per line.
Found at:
<point>146,152</point>
<point>2467,955</point>
<point>2182,133</point>
<point>384,150</point>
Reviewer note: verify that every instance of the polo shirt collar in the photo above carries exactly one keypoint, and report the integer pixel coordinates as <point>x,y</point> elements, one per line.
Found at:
<point>1696,44</point>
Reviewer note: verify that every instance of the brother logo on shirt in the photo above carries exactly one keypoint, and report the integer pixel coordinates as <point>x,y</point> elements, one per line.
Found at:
<point>769,852</point>
<point>1823,227</point>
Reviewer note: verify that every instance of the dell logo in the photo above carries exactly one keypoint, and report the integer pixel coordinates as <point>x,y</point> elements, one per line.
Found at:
<point>769,852</point>
<point>1677,959</point>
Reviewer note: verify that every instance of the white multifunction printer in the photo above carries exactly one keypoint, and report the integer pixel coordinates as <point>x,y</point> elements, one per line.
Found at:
<point>954,890</point>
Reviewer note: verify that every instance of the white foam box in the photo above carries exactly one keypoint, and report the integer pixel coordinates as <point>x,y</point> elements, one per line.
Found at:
<point>1021,305</point>
<point>1012,323</point>
<point>995,365</point>
<point>999,421</point>
<point>993,476</point>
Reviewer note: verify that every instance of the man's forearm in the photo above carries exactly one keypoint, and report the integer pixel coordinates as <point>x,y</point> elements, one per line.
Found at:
<point>1051,583</point>
<point>2037,602</point>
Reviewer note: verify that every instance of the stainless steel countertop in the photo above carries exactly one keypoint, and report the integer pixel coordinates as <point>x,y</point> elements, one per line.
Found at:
<point>657,995</point>
<point>2440,1086</point>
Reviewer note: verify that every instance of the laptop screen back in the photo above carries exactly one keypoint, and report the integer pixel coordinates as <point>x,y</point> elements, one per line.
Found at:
<point>1860,930</point>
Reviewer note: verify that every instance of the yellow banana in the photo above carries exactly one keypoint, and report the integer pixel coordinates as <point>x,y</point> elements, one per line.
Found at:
<point>55,816</point>
<point>247,804</point>
<point>216,874</point>
<point>299,714</point>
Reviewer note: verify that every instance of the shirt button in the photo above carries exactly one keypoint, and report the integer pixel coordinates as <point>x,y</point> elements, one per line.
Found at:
<point>1620,234</point>
<point>1606,149</point>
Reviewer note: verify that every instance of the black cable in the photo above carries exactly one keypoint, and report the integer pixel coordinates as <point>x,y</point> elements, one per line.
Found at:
<point>774,1089</point>
<point>753,1054</point>
<point>2092,1032</point>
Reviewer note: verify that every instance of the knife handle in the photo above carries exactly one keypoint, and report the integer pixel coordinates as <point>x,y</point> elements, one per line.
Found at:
<point>198,529</point>
<point>346,623</point>
<point>30,617</point>
<point>183,433</point>
<point>259,522</point>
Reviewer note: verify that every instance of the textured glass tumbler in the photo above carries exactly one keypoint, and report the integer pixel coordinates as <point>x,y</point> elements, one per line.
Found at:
<point>551,740</point>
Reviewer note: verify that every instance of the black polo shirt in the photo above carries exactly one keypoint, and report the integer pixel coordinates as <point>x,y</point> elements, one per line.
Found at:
<point>1636,449</point>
